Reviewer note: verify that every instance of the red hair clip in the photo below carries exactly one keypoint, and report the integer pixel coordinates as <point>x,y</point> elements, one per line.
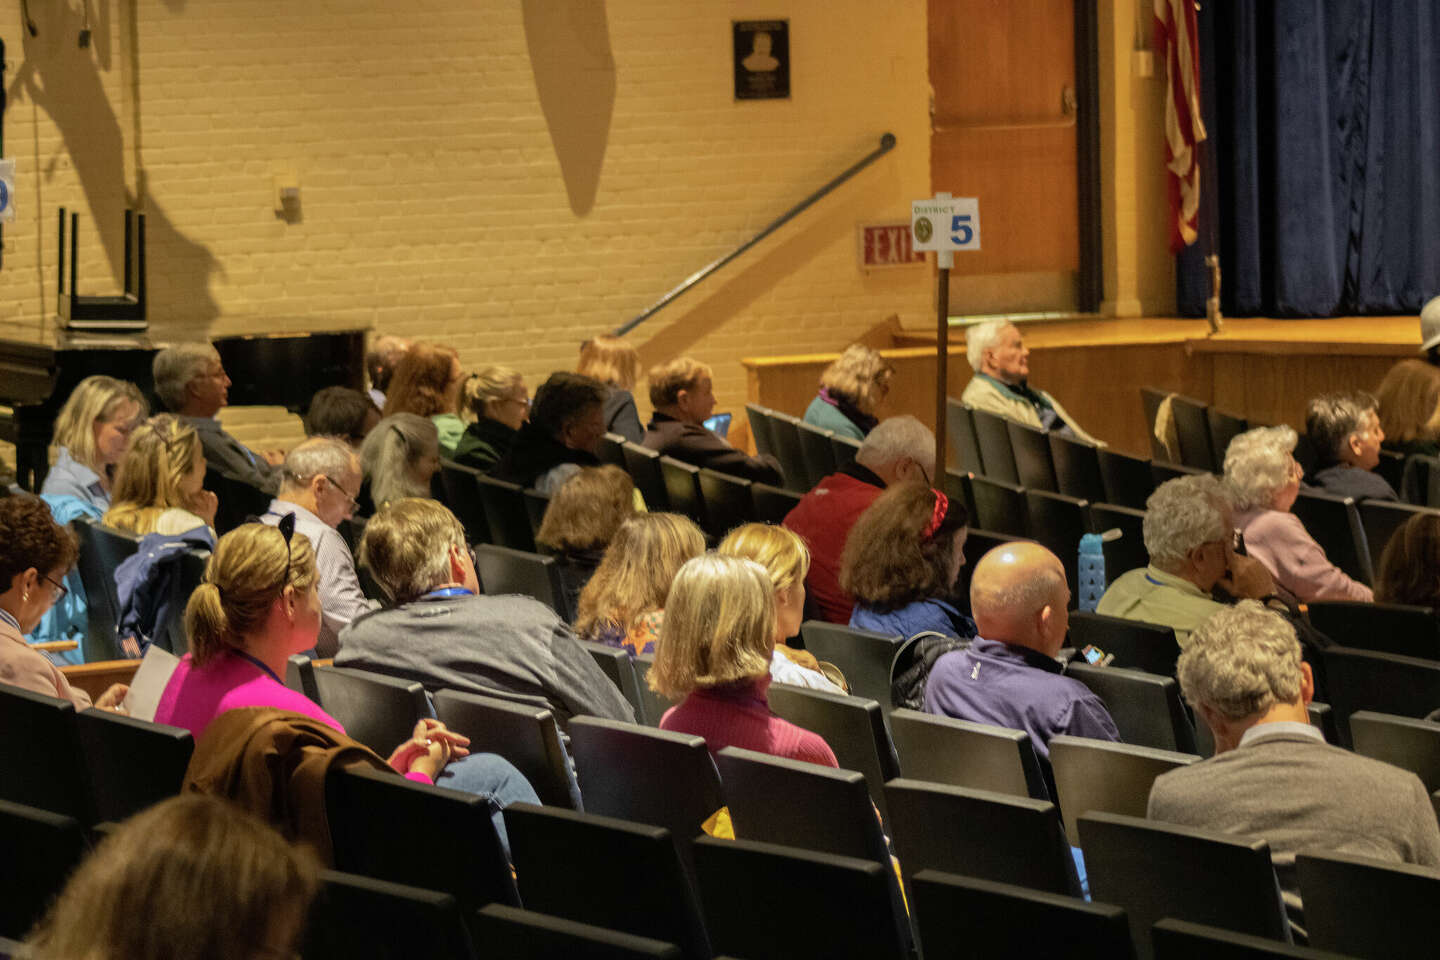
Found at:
<point>942,507</point>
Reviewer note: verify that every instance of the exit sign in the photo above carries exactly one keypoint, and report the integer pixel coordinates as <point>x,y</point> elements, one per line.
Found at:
<point>887,245</point>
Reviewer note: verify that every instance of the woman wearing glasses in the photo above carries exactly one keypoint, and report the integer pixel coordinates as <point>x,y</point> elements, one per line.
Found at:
<point>35,555</point>
<point>497,398</point>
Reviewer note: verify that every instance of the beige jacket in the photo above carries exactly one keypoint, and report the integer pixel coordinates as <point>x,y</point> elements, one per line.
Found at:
<point>20,666</point>
<point>981,394</point>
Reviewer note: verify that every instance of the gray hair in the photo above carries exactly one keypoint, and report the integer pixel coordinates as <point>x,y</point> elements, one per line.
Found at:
<point>1181,515</point>
<point>1241,661</point>
<point>1257,465</point>
<point>896,437</point>
<point>318,456</point>
<point>1333,417</point>
<point>390,453</point>
<point>174,367</point>
<point>980,338</point>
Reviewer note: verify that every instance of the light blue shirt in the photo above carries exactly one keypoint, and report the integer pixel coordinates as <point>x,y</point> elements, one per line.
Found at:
<point>71,478</point>
<point>341,598</point>
<point>1289,727</point>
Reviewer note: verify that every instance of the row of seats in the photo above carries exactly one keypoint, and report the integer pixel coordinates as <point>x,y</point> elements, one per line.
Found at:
<point>807,453</point>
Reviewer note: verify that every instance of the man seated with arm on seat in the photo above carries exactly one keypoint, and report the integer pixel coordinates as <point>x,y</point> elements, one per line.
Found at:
<point>1345,429</point>
<point>1009,676</point>
<point>1002,363</point>
<point>191,382</point>
<point>1190,536</point>
<point>443,633</point>
<point>1273,776</point>
<point>320,479</point>
<point>683,395</point>
<point>898,449</point>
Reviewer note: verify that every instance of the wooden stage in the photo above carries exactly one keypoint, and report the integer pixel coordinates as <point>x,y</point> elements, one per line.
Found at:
<point>1265,370</point>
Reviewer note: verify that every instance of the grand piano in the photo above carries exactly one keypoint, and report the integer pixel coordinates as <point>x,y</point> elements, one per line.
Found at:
<point>266,369</point>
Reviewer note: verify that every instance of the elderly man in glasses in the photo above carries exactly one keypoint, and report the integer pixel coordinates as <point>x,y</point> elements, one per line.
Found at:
<point>319,481</point>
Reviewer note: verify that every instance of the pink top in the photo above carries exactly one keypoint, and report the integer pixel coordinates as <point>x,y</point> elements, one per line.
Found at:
<point>738,715</point>
<point>1279,541</point>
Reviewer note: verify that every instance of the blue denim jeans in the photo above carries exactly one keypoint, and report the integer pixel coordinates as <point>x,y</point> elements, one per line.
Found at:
<point>492,777</point>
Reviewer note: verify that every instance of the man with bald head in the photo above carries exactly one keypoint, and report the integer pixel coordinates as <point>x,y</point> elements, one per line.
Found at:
<point>1008,676</point>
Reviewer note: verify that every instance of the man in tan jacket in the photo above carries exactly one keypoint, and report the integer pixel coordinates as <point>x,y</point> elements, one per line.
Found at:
<point>1002,363</point>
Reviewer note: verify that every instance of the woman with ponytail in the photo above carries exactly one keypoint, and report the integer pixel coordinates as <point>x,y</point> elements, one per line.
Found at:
<point>400,457</point>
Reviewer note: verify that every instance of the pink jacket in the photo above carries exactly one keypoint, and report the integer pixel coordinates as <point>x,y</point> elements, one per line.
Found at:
<point>20,666</point>
<point>1294,559</point>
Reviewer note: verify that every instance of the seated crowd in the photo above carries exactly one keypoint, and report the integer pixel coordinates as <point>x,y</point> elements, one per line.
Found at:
<point>359,558</point>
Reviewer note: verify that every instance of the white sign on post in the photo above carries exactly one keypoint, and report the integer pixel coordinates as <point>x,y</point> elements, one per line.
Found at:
<point>946,223</point>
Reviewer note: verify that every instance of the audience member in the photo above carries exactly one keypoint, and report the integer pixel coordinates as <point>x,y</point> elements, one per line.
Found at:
<point>92,433</point>
<point>581,520</point>
<point>1273,777</point>
<point>1409,399</point>
<point>901,560</point>
<point>715,654</point>
<point>427,383</point>
<point>380,362</point>
<point>1346,432</point>
<point>1000,384</point>
<point>899,449</point>
<point>783,556</point>
<point>318,477</point>
<point>1009,676</point>
<point>623,604</point>
<point>1410,564</point>
<point>160,484</point>
<point>443,633</point>
<point>35,555</point>
<point>191,382</point>
<point>616,364</point>
<point>1264,480</point>
<point>343,413</point>
<point>497,398</point>
<point>399,458</point>
<point>1190,535</point>
<point>192,876</point>
<point>561,436</point>
<point>851,389</point>
<point>683,396</point>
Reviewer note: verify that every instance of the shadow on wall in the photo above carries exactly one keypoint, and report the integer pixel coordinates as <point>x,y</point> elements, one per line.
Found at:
<point>569,44</point>
<point>64,80</point>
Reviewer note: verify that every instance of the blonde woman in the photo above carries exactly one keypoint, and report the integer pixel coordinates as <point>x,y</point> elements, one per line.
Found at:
<point>623,605</point>
<point>496,397</point>
<point>400,457</point>
<point>850,390</point>
<point>786,561</point>
<point>715,658</point>
<point>1409,399</point>
<point>160,485</point>
<point>616,364</point>
<point>581,520</point>
<point>92,433</point>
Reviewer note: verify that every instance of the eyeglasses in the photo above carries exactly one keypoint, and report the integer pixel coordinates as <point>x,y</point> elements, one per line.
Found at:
<point>57,590</point>
<point>286,526</point>
<point>354,504</point>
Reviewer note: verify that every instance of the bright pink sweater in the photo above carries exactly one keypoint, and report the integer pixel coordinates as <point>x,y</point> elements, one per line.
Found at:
<point>738,715</point>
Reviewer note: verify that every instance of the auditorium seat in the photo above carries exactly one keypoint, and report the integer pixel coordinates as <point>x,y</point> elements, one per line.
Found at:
<point>1034,463</point>
<point>1192,429</point>
<point>1077,468</point>
<point>1163,471</point>
<point>1392,469</point>
<point>502,570</point>
<point>1097,775</point>
<point>355,916</point>
<point>189,574</point>
<point>517,934</point>
<point>863,656</point>
<point>599,870</point>
<point>611,450</point>
<point>39,848</point>
<point>102,550</point>
<point>536,503</point>
<point>1224,427</point>
<point>238,501</point>
<point>992,836</point>
<point>655,704</point>
<point>816,451</point>
<point>760,429</point>
<point>999,506</point>
<point>1369,908</point>
<point>1380,519</point>
<point>682,489</point>
<point>1157,870</point>
<point>773,503</point>
<point>785,430</point>
<point>1136,645</point>
<point>1058,522</point>
<point>130,764</point>
<point>983,918</point>
<point>962,753</point>
<point>463,499</point>
<point>962,447</point>
<point>728,502</point>
<point>525,735</point>
<point>644,467</point>
<point>1128,480</point>
<point>854,727</point>
<point>1146,707</point>
<point>768,902</point>
<point>380,711</point>
<point>993,436</point>
<point>844,449</point>
<point>505,513</point>
<point>1419,479</point>
<point>1334,523</point>
<point>617,664</point>
<point>40,754</point>
<point>1386,627</point>
<point>1406,742</point>
<point>1384,682</point>
<point>1127,553</point>
<point>1150,401</point>
<point>1182,940</point>
<point>300,675</point>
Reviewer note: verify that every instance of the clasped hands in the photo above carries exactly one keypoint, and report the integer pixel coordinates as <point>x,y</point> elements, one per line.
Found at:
<point>429,748</point>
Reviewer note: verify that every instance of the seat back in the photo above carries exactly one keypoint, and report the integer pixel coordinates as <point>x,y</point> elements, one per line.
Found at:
<point>1417,479</point>
<point>42,771</point>
<point>750,919</point>
<point>1384,682</point>
<point>462,496</point>
<point>1192,428</point>
<point>1150,401</point>
<point>1000,506</point>
<point>987,917</point>
<point>1157,870</point>
<point>862,655</point>
<point>1386,627</point>
<point>1369,908</point>
<point>1009,839</point>
<point>1077,468</point>
<point>604,871</point>
<point>962,448</point>
<point>816,450</point>
<point>611,450</point>
<point>1146,707</point>
<point>617,664</point>
<point>238,501</point>
<point>102,549</point>
<point>189,573</point>
<point>524,735</point>
<point>1380,519</point>
<point>518,934</point>
<point>40,849</point>
<point>682,489</point>
<point>300,675</point>
<point>853,727</point>
<point>503,571</point>
<point>1224,427</point>
<point>1128,552</point>
<point>379,711</point>
<point>1034,463</point>
<point>655,704</point>
<point>131,764</point>
<point>993,436</point>
<point>1404,742</point>
<point>1391,469</point>
<point>1334,522</point>
<point>845,449</point>
<point>1058,522</point>
<point>772,503</point>
<point>760,428</point>
<point>786,431</point>
<point>385,826</point>
<point>1128,481</point>
<point>976,756</point>
<point>1136,645</point>
<point>505,513</point>
<point>536,503</point>
<point>355,916</point>
<point>1182,940</point>
<point>643,465</point>
<point>1096,775</point>
<point>1163,471</point>
<point>728,502</point>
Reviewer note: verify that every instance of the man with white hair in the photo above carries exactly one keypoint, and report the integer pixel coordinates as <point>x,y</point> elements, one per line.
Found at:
<point>1273,777</point>
<point>1002,363</point>
<point>320,479</point>
<point>1189,534</point>
<point>898,449</point>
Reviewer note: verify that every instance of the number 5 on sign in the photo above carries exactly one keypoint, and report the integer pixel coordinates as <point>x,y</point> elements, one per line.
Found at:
<point>946,223</point>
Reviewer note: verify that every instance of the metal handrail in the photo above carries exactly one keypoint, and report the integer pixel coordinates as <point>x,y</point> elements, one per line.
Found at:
<point>887,143</point>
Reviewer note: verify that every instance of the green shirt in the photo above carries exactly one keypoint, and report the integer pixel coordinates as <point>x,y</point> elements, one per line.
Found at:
<point>1154,596</point>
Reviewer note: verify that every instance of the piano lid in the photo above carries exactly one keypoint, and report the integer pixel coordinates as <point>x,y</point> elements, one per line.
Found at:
<point>285,369</point>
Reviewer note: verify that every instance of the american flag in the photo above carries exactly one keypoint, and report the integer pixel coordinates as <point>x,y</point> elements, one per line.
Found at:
<point>1175,34</point>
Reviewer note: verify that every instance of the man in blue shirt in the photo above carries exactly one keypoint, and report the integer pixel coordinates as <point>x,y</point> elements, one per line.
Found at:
<point>1009,676</point>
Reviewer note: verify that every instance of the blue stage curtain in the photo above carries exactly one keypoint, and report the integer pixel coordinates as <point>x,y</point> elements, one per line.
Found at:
<point>1324,153</point>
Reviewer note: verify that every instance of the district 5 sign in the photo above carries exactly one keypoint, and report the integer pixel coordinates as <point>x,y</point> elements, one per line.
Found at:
<point>946,224</point>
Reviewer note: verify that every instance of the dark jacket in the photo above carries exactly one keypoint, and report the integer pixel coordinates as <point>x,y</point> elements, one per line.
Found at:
<point>1345,480</point>
<point>534,454</point>
<point>483,443</point>
<point>145,586</point>
<point>692,443</point>
<point>620,415</point>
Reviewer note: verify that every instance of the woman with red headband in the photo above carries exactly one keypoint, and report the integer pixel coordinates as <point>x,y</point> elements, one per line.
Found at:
<point>900,563</point>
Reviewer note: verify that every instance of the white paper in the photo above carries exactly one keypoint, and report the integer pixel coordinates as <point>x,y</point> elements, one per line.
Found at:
<point>149,682</point>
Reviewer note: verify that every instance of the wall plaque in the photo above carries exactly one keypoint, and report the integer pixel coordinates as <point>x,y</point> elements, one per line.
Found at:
<point>762,59</point>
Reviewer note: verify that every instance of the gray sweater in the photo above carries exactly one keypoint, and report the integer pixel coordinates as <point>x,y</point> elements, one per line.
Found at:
<point>509,646</point>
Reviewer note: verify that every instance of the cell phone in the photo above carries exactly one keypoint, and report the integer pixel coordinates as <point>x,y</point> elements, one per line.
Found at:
<point>1240,544</point>
<point>1095,656</point>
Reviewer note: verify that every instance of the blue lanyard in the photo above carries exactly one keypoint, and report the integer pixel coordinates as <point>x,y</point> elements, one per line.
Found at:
<point>1153,580</point>
<point>448,592</point>
<point>262,666</point>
